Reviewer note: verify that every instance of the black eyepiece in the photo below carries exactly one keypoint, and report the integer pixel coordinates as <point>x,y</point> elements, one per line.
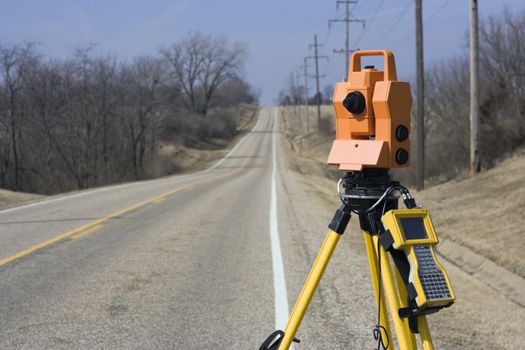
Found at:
<point>401,156</point>
<point>355,102</point>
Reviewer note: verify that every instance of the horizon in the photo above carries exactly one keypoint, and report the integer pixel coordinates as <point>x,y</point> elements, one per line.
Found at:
<point>142,29</point>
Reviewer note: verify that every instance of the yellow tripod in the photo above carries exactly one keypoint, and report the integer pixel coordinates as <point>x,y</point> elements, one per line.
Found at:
<point>372,136</point>
<point>411,294</point>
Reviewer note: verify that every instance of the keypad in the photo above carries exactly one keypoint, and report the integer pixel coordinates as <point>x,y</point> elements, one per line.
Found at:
<point>432,278</point>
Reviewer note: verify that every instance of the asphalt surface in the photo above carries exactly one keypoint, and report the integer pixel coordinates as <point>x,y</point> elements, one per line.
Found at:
<point>177,263</point>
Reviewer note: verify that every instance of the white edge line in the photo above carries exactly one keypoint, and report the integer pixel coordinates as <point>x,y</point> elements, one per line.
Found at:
<point>279,282</point>
<point>108,188</point>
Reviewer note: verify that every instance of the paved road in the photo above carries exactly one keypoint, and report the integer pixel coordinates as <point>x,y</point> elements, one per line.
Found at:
<point>177,263</point>
<point>192,262</point>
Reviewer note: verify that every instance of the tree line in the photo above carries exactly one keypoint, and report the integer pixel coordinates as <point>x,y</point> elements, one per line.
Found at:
<point>91,119</point>
<point>502,100</point>
<point>294,93</point>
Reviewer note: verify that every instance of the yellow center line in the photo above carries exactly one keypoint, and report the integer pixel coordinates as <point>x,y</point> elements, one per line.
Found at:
<point>245,163</point>
<point>87,226</point>
<point>96,224</point>
<point>86,232</point>
<point>162,199</point>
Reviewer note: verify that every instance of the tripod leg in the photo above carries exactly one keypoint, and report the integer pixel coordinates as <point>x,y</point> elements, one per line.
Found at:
<point>309,288</point>
<point>403,302</point>
<point>372,261</point>
<point>424,333</point>
<point>404,335</point>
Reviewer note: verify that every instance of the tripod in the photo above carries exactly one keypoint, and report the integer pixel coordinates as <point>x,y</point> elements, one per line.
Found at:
<point>369,194</point>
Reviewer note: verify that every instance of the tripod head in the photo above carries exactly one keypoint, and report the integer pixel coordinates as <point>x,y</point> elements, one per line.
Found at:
<point>372,117</point>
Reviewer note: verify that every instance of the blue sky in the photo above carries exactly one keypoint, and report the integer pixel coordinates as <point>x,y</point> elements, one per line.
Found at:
<point>277,31</point>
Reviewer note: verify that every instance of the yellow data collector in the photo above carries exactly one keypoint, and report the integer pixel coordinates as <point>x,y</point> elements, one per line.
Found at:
<point>412,232</point>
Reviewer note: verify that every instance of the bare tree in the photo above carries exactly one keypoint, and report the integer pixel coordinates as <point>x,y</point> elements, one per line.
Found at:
<point>328,94</point>
<point>105,71</point>
<point>15,62</point>
<point>89,120</point>
<point>142,80</point>
<point>201,65</point>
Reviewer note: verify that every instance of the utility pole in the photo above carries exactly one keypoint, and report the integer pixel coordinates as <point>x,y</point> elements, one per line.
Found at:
<point>420,174</point>
<point>475,164</point>
<point>305,72</point>
<point>315,45</point>
<point>297,92</point>
<point>347,21</point>
<point>297,84</point>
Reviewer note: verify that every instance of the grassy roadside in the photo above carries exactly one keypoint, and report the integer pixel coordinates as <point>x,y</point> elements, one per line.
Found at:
<point>490,298</point>
<point>198,154</point>
<point>10,198</point>
<point>484,214</point>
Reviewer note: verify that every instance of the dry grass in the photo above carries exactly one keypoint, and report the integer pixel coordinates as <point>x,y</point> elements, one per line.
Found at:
<point>203,142</point>
<point>485,213</point>
<point>10,198</point>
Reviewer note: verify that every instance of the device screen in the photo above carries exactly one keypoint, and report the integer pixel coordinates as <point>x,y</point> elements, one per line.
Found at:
<point>413,228</point>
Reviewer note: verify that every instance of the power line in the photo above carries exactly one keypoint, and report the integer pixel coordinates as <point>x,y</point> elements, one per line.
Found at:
<point>315,45</point>
<point>347,20</point>
<point>395,22</point>
<point>356,5</point>
<point>330,29</point>
<point>428,20</point>
<point>437,12</point>
<point>370,21</point>
<point>327,36</point>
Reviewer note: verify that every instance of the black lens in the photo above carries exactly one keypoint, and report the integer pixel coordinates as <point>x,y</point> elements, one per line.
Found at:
<point>401,156</point>
<point>355,102</point>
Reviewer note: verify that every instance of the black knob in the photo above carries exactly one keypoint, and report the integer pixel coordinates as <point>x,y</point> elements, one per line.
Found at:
<point>401,133</point>
<point>355,102</point>
<point>401,156</point>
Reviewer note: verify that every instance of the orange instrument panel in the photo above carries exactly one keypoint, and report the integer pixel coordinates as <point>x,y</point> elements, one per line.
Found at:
<point>372,111</point>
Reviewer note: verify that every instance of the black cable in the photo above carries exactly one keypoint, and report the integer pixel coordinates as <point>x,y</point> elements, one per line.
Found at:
<point>378,334</point>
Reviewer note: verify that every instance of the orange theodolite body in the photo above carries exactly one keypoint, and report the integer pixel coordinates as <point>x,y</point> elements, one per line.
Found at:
<point>372,117</point>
